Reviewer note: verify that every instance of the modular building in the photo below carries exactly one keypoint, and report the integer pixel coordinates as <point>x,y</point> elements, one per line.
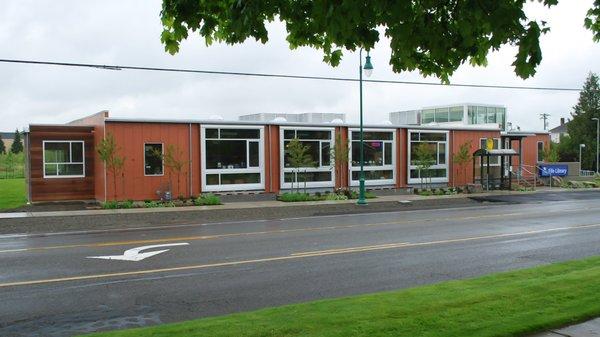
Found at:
<point>218,156</point>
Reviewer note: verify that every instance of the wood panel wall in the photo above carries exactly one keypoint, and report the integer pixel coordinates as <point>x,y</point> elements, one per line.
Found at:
<point>54,189</point>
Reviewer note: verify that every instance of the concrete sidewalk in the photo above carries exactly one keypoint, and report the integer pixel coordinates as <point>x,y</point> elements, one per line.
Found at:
<point>586,329</point>
<point>400,198</point>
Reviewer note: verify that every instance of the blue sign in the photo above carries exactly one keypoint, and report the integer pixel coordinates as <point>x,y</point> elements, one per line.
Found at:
<point>554,170</point>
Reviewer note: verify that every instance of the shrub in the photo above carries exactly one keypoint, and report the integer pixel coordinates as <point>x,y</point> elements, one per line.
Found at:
<point>425,193</point>
<point>335,196</point>
<point>207,199</point>
<point>295,197</point>
<point>152,204</point>
<point>126,204</point>
<point>112,204</point>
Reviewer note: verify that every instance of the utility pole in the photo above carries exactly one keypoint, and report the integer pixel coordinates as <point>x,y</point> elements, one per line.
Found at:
<point>544,116</point>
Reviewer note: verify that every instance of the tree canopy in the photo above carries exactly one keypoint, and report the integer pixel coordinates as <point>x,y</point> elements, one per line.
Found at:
<point>17,145</point>
<point>433,37</point>
<point>582,129</point>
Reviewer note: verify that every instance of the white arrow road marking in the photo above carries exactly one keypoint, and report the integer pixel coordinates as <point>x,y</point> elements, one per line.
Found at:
<point>135,255</point>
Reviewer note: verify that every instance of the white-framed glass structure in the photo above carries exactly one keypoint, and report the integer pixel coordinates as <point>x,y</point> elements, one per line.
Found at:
<point>495,160</point>
<point>438,142</point>
<point>232,158</point>
<point>63,158</point>
<point>379,156</point>
<point>319,141</point>
<point>153,159</point>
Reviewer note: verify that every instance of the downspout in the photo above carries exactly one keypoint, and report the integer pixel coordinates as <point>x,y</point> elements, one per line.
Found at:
<point>105,175</point>
<point>270,159</point>
<point>190,159</point>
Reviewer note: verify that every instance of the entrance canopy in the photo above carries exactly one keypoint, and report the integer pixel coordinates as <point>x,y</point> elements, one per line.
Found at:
<point>505,175</point>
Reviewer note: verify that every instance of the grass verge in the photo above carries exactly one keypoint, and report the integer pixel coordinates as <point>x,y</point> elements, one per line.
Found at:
<point>12,193</point>
<point>506,304</point>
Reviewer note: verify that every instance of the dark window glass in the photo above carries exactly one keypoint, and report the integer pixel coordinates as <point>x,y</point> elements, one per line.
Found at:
<point>51,169</point>
<point>240,178</point>
<point>308,176</point>
<point>388,153</point>
<point>373,153</point>
<point>441,153</point>
<point>289,134</point>
<point>57,152</point>
<point>70,169</point>
<point>373,135</point>
<point>240,133</point>
<point>413,151</point>
<point>374,175</point>
<point>414,173</point>
<point>325,154</point>
<point>254,154</point>
<point>288,177</point>
<point>153,159</point>
<point>540,151</point>
<point>212,179</point>
<point>313,134</point>
<point>414,136</point>
<point>77,152</point>
<point>212,133</point>
<point>439,137</point>
<point>225,154</point>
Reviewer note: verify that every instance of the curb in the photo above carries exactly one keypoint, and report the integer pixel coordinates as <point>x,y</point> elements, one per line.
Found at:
<point>262,204</point>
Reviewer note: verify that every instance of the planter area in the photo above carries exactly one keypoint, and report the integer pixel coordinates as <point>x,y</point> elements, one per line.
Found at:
<point>202,200</point>
<point>339,194</point>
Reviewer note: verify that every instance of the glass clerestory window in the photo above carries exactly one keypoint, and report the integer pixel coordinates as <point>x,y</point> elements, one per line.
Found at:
<point>319,144</point>
<point>232,158</point>
<point>484,115</point>
<point>64,159</point>
<point>435,146</point>
<point>153,159</point>
<point>378,157</point>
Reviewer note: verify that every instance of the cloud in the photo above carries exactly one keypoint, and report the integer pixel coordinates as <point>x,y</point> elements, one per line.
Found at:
<point>127,33</point>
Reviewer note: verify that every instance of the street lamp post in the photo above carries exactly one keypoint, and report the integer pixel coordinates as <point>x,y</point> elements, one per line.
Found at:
<point>581,146</point>
<point>368,68</point>
<point>597,141</point>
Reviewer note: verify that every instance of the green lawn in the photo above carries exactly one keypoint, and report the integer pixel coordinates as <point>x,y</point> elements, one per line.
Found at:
<point>12,193</point>
<point>507,304</point>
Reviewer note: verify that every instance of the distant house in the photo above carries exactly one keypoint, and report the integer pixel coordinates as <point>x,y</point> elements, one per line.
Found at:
<point>7,137</point>
<point>559,131</point>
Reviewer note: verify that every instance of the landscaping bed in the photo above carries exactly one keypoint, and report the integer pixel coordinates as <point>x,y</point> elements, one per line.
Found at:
<point>515,303</point>
<point>340,194</point>
<point>201,200</point>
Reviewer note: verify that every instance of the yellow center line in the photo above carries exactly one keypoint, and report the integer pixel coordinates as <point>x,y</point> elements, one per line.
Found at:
<point>281,231</point>
<point>293,256</point>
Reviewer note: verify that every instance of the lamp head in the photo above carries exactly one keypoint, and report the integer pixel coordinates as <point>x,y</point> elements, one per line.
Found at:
<point>581,145</point>
<point>368,66</point>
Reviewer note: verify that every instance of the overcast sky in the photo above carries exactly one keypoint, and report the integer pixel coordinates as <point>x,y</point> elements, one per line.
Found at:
<point>127,32</point>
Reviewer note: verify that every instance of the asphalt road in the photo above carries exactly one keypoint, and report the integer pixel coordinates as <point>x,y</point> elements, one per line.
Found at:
<point>50,287</point>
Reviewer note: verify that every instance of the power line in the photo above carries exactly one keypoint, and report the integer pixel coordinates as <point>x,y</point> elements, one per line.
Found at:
<point>289,76</point>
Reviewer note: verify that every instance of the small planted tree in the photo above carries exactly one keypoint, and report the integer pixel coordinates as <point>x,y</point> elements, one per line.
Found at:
<point>340,154</point>
<point>424,159</point>
<point>298,157</point>
<point>462,158</point>
<point>550,153</point>
<point>108,151</point>
<point>175,162</point>
<point>17,145</point>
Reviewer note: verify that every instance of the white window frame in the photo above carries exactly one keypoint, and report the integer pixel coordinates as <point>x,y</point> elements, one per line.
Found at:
<point>259,169</point>
<point>384,167</point>
<point>70,159</point>
<point>437,166</point>
<point>162,151</point>
<point>330,168</point>
<point>499,147</point>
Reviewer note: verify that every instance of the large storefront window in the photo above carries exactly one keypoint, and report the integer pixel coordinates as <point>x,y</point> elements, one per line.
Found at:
<point>319,143</point>
<point>232,158</point>
<point>379,157</point>
<point>437,142</point>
